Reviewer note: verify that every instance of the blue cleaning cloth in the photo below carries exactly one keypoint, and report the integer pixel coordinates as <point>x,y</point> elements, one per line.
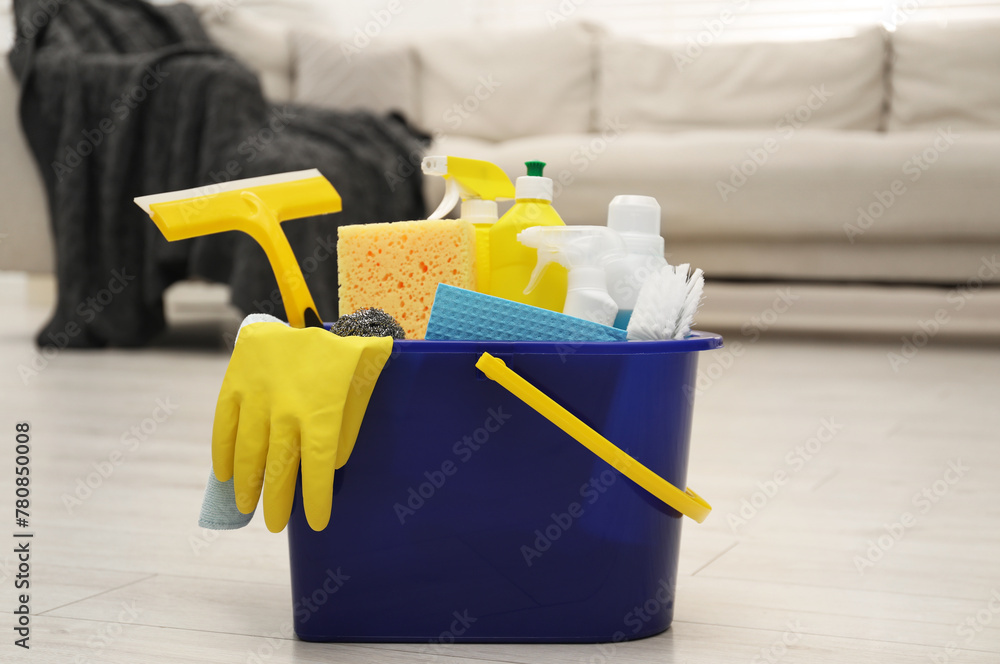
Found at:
<point>218,507</point>
<point>463,315</point>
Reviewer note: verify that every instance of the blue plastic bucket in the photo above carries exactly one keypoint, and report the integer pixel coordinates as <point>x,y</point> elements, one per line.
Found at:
<point>464,515</point>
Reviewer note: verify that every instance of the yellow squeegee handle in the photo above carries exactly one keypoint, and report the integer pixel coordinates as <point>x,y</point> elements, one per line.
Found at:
<point>264,227</point>
<point>686,502</point>
<point>257,210</point>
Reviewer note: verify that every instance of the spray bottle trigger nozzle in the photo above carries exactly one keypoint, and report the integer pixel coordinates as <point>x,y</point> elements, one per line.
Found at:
<point>544,258</point>
<point>435,165</point>
<point>452,195</point>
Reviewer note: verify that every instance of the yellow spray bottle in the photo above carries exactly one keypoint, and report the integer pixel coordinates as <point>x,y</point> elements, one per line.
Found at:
<point>511,263</point>
<point>478,184</point>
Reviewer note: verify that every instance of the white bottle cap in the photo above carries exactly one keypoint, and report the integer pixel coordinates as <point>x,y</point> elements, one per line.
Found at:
<point>478,211</point>
<point>637,220</point>
<point>533,186</point>
<point>634,214</point>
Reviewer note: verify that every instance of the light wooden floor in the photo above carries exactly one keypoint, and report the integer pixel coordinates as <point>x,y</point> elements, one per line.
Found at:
<point>128,577</point>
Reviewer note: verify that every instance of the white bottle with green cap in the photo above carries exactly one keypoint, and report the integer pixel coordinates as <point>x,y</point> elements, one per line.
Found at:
<point>637,221</point>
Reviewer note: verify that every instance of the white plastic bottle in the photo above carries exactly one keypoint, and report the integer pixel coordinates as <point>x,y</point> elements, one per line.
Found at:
<point>636,219</point>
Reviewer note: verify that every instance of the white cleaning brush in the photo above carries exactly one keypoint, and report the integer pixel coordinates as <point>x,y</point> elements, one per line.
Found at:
<point>667,304</point>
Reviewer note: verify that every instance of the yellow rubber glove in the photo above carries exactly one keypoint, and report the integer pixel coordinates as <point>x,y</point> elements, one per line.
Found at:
<point>292,394</point>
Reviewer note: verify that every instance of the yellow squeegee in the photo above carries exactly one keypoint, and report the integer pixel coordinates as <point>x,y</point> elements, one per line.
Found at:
<point>256,206</point>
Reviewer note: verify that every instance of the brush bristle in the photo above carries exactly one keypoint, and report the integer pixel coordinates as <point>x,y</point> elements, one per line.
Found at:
<point>667,304</point>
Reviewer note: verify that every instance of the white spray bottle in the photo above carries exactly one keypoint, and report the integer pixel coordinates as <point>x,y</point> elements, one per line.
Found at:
<point>584,251</point>
<point>637,221</point>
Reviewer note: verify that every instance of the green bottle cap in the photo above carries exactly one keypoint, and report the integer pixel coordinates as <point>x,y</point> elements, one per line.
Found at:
<point>535,168</point>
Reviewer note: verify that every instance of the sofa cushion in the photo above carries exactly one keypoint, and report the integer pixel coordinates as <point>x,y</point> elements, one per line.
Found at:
<point>828,84</point>
<point>261,44</point>
<point>813,185</point>
<point>336,74</point>
<point>946,75</point>
<point>498,85</point>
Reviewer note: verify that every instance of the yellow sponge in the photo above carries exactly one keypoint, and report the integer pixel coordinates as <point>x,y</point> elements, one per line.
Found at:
<point>398,266</point>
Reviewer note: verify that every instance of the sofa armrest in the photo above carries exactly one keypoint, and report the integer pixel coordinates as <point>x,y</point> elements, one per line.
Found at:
<point>25,235</point>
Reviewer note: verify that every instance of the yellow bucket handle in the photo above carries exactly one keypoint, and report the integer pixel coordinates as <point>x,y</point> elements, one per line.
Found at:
<point>686,502</point>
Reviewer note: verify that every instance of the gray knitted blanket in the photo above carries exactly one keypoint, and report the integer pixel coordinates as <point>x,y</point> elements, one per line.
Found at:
<point>121,99</point>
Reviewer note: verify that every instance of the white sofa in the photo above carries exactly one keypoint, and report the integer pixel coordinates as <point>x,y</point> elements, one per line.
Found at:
<point>871,158</point>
